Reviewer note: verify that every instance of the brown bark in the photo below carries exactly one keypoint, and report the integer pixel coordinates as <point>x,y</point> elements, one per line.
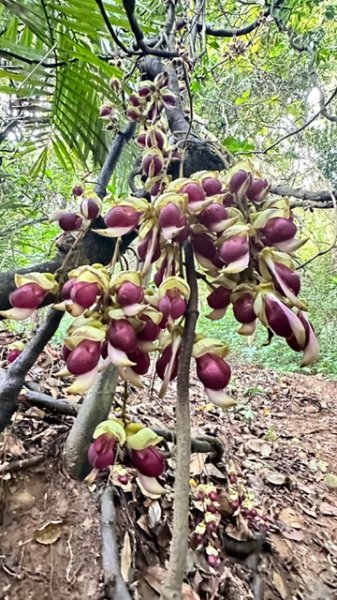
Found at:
<point>177,563</point>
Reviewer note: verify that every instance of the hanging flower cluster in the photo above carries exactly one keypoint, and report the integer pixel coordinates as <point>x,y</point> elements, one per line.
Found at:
<point>243,243</point>
<point>132,445</point>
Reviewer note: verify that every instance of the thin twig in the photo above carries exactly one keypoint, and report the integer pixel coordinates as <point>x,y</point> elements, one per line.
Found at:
<point>176,568</point>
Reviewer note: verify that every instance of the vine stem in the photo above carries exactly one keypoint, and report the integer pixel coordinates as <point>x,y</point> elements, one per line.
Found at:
<point>171,589</point>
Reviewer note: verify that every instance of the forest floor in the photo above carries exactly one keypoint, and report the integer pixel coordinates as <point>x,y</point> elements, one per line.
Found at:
<point>282,437</point>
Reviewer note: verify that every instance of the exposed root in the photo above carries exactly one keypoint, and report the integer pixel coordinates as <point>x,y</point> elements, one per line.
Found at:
<point>115,587</point>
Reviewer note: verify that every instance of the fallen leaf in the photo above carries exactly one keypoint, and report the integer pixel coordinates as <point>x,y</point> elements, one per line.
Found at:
<point>289,517</point>
<point>213,471</point>
<point>154,514</point>
<point>293,534</point>
<point>280,585</point>
<point>275,478</point>
<point>330,481</point>
<point>126,558</point>
<point>197,464</point>
<point>328,510</point>
<point>49,532</point>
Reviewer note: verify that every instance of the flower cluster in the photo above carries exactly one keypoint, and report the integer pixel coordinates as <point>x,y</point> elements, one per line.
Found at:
<point>243,501</point>
<point>133,445</point>
<point>148,102</point>
<point>243,243</point>
<point>205,535</point>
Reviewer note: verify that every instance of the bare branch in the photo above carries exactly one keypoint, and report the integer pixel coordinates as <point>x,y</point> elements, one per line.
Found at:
<point>111,29</point>
<point>129,6</point>
<point>178,551</point>
<point>306,199</point>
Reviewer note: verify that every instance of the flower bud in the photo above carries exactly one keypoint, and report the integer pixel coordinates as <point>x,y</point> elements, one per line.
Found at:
<point>133,114</point>
<point>257,189</point>
<point>143,248</point>
<point>211,186</point>
<point>159,275</point>
<point>124,217</point>
<point>115,85</point>
<point>84,293</point>
<point>277,316</point>
<point>29,295</point>
<point>70,222</point>
<point>65,352</point>
<point>149,462</point>
<point>90,208</point>
<point>234,248</point>
<point>141,360</point>
<point>106,111</point>
<point>213,496</point>
<point>155,138</point>
<point>240,182</point>
<point>78,190</point>
<point>135,100</point>
<point>145,90</point>
<point>129,293</point>
<point>150,331</point>
<point>213,372</point>
<point>169,99</point>
<point>156,188</point>
<point>293,342</point>
<point>203,244</point>
<point>289,277</point>
<point>219,298</point>
<point>278,229</point>
<point>213,561</point>
<point>173,305</point>
<point>122,335</point>
<point>163,362</point>
<point>194,192</point>
<point>152,164</point>
<point>213,216</point>
<point>12,355</point>
<point>84,357</point>
<point>66,289</point>
<point>227,199</point>
<point>141,139</point>
<point>171,220</point>
<point>123,479</point>
<point>243,309</point>
<point>102,451</point>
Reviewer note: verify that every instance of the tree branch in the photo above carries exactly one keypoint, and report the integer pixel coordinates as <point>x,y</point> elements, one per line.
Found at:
<point>59,405</point>
<point>115,588</point>
<point>306,199</point>
<point>176,568</point>
<point>129,6</point>
<point>110,28</point>
<point>14,377</point>
<point>230,33</point>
